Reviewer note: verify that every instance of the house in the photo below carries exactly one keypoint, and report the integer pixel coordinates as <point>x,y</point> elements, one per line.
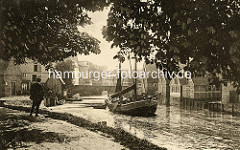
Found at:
<point>89,73</point>
<point>175,86</point>
<point>17,79</point>
<point>194,88</point>
<point>199,88</point>
<point>33,70</point>
<point>10,79</point>
<point>30,72</point>
<point>55,84</point>
<point>82,68</point>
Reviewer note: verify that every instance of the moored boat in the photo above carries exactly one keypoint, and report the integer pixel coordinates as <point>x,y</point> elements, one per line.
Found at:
<point>136,105</point>
<point>143,107</point>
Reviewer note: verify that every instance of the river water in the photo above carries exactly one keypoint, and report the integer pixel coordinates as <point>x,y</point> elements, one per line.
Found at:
<point>176,128</point>
<point>172,127</point>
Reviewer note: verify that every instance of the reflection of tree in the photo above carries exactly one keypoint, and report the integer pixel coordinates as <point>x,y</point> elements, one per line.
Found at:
<point>168,117</point>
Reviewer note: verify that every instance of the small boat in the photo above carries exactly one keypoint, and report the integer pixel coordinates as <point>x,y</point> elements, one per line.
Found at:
<point>137,105</point>
<point>142,107</point>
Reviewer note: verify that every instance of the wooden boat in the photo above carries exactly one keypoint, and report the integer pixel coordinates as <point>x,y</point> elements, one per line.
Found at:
<point>137,105</point>
<point>142,107</point>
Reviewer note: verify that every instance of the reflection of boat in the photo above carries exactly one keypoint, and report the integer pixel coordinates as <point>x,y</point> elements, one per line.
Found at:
<point>137,105</point>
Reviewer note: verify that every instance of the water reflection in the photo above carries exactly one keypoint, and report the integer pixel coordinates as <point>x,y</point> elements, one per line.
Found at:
<point>179,127</point>
<point>175,127</point>
<point>168,117</point>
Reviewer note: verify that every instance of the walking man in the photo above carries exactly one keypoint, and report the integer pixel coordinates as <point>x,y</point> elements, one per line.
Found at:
<point>36,96</point>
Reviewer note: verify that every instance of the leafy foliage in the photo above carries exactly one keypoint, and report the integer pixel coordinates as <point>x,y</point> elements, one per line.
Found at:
<point>63,66</point>
<point>46,30</point>
<point>203,35</point>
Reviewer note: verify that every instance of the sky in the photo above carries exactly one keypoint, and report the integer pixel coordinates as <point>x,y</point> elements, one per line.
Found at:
<point>105,58</point>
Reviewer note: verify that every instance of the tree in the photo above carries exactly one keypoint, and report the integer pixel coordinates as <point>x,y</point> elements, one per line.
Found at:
<point>66,66</point>
<point>46,30</point>
<point>203,35</point>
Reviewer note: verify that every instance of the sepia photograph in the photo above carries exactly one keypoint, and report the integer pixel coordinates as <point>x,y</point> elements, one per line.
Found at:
<point>119,74</point>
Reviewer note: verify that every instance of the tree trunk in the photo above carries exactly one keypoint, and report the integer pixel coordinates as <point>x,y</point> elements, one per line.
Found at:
<point>168,92</point>
<point>1,28</point>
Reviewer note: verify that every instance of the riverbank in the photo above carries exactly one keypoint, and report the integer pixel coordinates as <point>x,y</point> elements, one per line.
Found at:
<point>20,131</point>
<point>173,127</point>
<point>117,134</point>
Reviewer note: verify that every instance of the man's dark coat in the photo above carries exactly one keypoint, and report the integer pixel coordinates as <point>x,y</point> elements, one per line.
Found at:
<point>36,92</point>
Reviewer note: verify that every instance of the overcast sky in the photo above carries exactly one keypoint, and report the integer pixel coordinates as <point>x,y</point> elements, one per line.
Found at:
<point>105,58</point>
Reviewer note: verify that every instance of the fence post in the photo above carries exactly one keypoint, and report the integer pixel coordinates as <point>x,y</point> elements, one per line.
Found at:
<point>232,108</point>
<point>222,107</point>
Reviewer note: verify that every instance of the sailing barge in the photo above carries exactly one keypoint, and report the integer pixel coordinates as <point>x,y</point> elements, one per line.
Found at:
<point>141,107</point>
<point>136,105</point>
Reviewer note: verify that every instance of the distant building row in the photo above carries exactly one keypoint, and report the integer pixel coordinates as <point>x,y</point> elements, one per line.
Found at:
<point>196,88</point>
<point>17,79</point>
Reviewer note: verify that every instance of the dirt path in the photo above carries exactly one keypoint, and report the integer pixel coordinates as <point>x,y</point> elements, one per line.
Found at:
<point>81,138</point>
<point>118,135</point>
<point>18,130</point>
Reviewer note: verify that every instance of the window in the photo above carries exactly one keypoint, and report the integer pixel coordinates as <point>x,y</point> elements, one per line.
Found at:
<point>24,86</point>
<point>35,68</point>
<point>24,75</point>
<point>34,77</point>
